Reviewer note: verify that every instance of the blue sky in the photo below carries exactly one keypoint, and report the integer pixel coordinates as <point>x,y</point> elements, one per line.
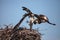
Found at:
<point>11,12</point>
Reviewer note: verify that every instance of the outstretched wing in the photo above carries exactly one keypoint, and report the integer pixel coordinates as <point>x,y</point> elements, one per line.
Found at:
<point>26,9</point>
<point>45,19</point>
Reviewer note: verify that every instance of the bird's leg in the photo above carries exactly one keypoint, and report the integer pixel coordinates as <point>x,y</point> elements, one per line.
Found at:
<point>31,24</point>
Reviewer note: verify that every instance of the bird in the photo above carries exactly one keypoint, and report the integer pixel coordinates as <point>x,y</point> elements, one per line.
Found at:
<point>39,18</point>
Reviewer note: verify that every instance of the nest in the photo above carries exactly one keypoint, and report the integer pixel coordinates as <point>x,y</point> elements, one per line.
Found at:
<point>24,34</point>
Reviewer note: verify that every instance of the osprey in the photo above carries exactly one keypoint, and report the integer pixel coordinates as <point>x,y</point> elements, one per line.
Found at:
<point>40,18</point>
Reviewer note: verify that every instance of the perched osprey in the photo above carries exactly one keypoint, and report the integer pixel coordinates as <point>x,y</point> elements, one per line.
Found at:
<point>40,18</point>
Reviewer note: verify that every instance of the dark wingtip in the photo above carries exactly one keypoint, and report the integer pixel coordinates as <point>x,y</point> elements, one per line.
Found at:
<point>51,23</point>
<point>54,24</point>
<point>24,8</point>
